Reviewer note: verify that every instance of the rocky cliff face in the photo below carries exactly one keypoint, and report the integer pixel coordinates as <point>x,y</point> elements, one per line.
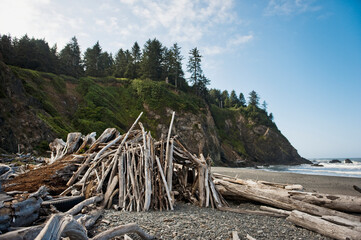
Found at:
<point>19,123</point>
<point>232,140</point>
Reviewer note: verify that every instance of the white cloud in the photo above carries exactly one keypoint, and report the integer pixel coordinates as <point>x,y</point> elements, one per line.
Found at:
<point>289,7</point>
<point>122,22</point>
<point>238,40</point>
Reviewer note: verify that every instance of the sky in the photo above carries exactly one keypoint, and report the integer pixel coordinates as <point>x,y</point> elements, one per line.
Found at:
<point>303,57</point>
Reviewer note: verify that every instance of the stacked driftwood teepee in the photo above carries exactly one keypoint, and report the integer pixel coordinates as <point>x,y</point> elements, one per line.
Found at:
<point>137,173</point>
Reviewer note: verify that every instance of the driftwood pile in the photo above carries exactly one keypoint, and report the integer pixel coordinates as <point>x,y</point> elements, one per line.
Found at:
<point>129,172</point>
<point>136,172</point>
<point>331,215</point>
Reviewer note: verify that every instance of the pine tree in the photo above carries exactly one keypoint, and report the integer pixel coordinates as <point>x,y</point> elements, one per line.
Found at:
<point>234,101</point>
<point>253,98</point>
<point>70,59</point>
<point>242,100</point>
<point>97,63</point>
<point>152,60</point>
<point>194,67</point>
<point>136,57</point>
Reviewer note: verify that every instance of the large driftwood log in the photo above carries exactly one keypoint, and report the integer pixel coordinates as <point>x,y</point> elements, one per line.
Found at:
<point>322,226</point>
<point>77,208</point>
<point>280,201</point>
<point>27,233</point>
<point>338,202</point>
<point>62,225</point>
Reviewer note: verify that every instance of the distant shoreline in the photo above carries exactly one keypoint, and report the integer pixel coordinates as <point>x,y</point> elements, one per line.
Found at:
<point>311,183</point>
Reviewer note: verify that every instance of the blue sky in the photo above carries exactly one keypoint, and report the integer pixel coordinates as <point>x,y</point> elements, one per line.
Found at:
<point>303,57</point>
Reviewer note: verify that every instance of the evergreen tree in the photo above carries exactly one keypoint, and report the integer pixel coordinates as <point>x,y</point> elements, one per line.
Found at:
<point>242,100</point>
<point>6,49</point>
<point>194,67</point>
<point>152,60</point>
<point>234,101</point>
<point>225,99</point>
<point>270,116</point>
<point>176,71</point>
<point>97,63</point>
<point>136,57</point>
<point>253,98</point>
<point>215,97</point>
<point>70,59</point>
<point>120,64</point>
<point>92,60</point>
<point>264,106</point>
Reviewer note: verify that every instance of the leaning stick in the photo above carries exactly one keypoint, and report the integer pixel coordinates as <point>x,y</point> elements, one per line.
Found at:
<point>168,158</point>
<point>165,182</point>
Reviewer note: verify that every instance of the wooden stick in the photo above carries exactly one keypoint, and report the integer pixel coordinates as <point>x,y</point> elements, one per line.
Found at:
<point>165,183</point>
<point>123,229</point>
<point>77,208</point>
<point>148,183</point>
<point>110,190</point>
<point>80,170</point>
<point>168,158</point>
<point>245,211</point>
<point>276,210</point>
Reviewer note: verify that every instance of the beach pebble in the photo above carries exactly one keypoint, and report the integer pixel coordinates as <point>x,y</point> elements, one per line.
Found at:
<point>191,222</point>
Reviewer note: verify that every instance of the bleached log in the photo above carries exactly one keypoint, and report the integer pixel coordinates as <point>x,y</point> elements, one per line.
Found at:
<point>168,157</point>
<point>147,177</point>
<point>165,183</point>
<point>123,229</point>
<point>121,180</point>
<point>72,143</point>
<point>27,233</point>
<point>296,187</point>
<point>201,185</point>
<point>343,222</point>
<point>105,137</point>
<point>62,225</point>
<point>276,210</point>
<point>280,201</point>
<point>89,220</point>
<point>343,203</point>
<point>77,208</point>
<point>246,211</point>
<point>56,148</point>
<point>110,190</point>
<point>324,227</point>
<point>216,197</point>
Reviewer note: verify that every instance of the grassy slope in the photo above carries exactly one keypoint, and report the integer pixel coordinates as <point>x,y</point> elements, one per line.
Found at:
<point>101,102</point>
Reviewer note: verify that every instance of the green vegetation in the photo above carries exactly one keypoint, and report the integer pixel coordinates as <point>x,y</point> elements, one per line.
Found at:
<point>111,92</point>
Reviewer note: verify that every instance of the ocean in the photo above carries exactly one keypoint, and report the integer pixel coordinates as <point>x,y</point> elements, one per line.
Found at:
<point>329,169</point>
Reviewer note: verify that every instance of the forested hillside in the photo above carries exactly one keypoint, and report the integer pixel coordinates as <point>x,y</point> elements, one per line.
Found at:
<point>46,94</point>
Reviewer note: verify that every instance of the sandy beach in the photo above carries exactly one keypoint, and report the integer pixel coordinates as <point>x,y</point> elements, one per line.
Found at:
<point>311,183</point>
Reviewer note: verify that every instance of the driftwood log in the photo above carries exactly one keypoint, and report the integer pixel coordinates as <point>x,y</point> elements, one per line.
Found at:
<point>322,226</point>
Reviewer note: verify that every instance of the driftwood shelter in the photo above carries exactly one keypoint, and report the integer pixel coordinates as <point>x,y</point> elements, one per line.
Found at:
<point>135,172</point>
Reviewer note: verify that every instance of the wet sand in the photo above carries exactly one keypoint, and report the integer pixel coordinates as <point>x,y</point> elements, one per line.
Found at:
<point>311,183</point>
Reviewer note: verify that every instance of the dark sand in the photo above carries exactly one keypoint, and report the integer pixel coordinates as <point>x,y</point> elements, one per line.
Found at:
<point>311,183</point>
